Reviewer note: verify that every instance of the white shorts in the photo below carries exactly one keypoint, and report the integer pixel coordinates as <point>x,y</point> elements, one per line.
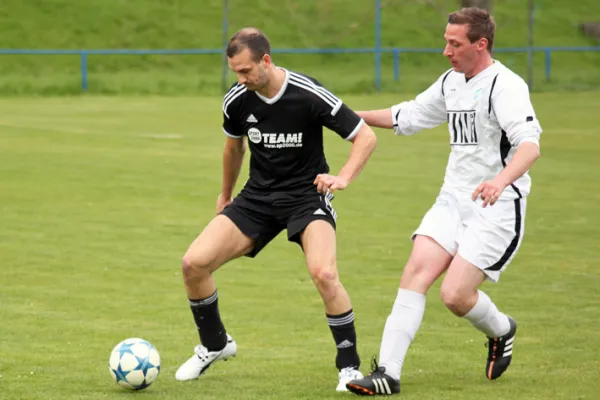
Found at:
<point>486,237</point>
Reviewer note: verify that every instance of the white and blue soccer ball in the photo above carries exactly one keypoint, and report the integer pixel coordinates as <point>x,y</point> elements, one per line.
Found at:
<point>134,363</point>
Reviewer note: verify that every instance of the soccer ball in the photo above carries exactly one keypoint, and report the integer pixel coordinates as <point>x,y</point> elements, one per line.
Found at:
<point>134,364</point>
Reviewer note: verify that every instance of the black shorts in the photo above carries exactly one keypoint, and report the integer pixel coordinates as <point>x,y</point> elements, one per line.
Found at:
<point>263,217</point>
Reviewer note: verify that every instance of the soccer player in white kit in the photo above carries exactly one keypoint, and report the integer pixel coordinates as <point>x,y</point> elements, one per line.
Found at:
<point>475,227</point>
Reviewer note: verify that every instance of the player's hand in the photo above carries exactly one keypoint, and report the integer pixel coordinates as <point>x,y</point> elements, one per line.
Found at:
<point>329,183</point>
<point>222,202</point>
<point>489,191</point>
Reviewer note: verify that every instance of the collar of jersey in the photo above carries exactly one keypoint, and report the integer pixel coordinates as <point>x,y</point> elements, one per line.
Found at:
<point>274,99</point>
<point>491,69</point>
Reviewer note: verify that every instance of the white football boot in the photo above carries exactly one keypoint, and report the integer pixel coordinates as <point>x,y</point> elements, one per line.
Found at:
<point>346,375</point>
<point>202,359</point>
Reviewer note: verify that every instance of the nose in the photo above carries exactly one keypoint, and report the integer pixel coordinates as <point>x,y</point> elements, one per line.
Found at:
<point>447,51</point>
<point>241,80</point>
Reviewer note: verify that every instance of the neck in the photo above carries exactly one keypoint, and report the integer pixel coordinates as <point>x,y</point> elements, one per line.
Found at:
<point>275,82</point>
<point>485,62</point>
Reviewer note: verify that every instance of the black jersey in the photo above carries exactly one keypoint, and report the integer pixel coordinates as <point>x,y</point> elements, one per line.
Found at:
<point>285,133</point>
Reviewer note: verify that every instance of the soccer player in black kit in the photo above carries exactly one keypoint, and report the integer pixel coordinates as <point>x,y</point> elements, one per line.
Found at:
<point>282,114</point>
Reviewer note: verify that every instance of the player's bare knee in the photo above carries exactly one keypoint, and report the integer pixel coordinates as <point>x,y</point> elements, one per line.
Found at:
<point>325,277</point>
<point>454,298</point>
<point>193,266</point>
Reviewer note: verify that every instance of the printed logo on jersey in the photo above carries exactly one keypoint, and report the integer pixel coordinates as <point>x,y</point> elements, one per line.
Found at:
<point>461,125</point>
<point>275,140</point>
<point>254,135</point>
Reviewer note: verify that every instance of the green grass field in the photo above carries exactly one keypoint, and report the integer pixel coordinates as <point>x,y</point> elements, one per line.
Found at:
<point>100,197</point>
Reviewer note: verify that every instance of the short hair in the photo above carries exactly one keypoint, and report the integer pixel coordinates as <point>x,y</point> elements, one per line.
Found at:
<point>481,24</point>
<point>249,38</point>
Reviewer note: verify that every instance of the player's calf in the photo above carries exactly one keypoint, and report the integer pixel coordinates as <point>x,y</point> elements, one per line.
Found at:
<point>347,360</point>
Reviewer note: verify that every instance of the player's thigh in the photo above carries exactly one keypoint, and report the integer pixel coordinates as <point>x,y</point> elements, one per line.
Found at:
<point>257,218</point>
<point>493,236</point>
<point>220,241</point>
<point>428,260</point>
<point>318,240</point>
<point>442,223</point>
<point>435,244</point>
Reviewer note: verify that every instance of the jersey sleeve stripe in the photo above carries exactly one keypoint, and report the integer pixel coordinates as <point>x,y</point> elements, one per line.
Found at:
<point>337,108</point>
<point>355,131</point>
<point>319,88</point>
<point>312,90</point>
<point>232,136</point>
<point>232,91</point>
<point>231,99</point>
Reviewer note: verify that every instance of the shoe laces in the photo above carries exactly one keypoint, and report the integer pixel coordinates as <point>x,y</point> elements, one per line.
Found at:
<point>202,353</point>
<point>495,347</point>
<point>376,369</point>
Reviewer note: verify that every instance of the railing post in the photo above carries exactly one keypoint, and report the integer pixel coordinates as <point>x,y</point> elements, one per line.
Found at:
<point>378,44</point>
<point>84,84</point>
<point>225,40</point>
<point>548,60</point>
<point>396,64</point>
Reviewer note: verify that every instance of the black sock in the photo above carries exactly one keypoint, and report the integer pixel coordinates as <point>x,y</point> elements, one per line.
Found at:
<point>344,334</point>
<point>208,321</point>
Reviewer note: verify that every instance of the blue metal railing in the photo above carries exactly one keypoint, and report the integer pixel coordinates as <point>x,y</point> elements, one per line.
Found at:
<point>378,51</point>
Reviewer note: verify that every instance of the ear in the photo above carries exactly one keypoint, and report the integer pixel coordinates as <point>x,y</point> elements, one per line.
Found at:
<point>266,60</point>
<point>482,44</point>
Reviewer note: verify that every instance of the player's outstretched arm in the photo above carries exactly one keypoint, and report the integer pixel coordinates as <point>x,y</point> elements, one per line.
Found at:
<point>378,118</point>
<point>427,110</point>
<point>363,144</point>
<point>233,156</point>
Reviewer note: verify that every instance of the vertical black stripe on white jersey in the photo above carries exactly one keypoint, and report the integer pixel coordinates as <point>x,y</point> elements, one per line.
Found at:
<point>444,80</point>
<point>505,147</point>
<point>514,243</point>
<point>491,91</point>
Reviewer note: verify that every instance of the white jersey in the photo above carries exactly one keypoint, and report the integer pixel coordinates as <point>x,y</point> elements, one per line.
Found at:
<point>488,117</point>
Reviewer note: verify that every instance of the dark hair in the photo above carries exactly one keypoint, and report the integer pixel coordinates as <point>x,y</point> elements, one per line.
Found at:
<point>249,38</point>
<point>481,24</point>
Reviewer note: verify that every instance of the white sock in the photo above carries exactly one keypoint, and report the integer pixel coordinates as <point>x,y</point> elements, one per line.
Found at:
<point>400,329</point>
<point>485,317</point>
